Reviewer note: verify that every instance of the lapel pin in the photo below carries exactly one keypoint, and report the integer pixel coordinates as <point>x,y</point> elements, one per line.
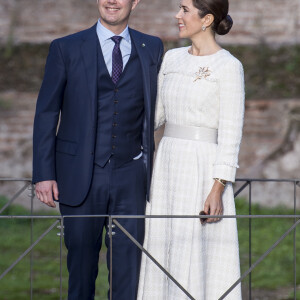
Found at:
<point>143,45</point>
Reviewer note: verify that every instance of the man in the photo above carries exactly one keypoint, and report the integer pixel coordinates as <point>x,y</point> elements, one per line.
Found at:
<point>100,86</point>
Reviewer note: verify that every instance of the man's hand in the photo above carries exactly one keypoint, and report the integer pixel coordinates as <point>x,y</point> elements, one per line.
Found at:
<point>45,190</point>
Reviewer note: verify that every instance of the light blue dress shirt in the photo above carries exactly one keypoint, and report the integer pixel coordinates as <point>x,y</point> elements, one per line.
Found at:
<point>107,45</point>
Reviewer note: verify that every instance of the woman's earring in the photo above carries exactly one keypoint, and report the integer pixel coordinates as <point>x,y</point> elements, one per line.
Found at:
<point>203,28</point>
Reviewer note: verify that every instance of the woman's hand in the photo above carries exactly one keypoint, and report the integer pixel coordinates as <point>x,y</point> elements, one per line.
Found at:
<point>213,204</point>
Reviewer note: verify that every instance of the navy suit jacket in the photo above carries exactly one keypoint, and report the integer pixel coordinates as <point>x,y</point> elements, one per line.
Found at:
<point>66,111</point>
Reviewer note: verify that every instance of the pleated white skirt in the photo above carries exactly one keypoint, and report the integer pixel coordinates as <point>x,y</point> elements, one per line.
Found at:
<point>204,259</point>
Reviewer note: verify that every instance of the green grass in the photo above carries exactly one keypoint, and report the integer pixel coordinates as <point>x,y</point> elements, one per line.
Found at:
<point>15,239</point>
<point>277,269</point>
<point>275,272</point>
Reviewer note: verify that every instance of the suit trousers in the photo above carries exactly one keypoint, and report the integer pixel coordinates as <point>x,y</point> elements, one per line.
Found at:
<point>113,191</point>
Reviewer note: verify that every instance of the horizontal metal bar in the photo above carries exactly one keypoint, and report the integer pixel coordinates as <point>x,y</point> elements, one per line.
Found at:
<point>160,217</point>
<point>16,179</point>
<point>153,259</point>
<point>267,180</point>
<point>207,216</point>
<point>52,217</point>
<point>29,249</point>
<point>29,217</point>
<point>260,259</point>
<point>238,179</point>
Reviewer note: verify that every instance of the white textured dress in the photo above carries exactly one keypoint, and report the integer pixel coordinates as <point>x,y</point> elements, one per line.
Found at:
<point>196,91</point>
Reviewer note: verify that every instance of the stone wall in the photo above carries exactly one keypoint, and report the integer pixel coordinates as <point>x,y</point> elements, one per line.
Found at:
<point>271,143</point>
<point>270,147</point>
<point>35,21</point>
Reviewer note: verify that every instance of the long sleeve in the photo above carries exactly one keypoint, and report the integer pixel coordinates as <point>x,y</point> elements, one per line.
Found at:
<point>231,117</point>
<point>160,117</point>
<point>47,116</point>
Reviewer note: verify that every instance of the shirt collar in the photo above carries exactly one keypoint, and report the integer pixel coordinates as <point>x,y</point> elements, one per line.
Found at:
<point>105,34</point>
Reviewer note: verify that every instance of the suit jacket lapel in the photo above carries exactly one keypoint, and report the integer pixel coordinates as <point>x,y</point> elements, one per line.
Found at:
<point>89,55</point>
<point>140,46</point>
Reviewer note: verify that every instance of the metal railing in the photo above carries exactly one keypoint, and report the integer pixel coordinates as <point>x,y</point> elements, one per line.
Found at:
<point>113,219</point>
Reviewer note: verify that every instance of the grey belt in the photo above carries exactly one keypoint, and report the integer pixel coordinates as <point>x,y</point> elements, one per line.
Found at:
<point>203,134</point>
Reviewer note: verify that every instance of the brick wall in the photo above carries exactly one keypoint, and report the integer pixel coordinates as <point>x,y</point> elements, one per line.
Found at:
<point>270,21</point>
<point>263,154</point>
<point>270,146</point>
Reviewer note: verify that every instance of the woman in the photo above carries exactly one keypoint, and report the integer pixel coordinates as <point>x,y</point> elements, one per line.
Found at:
<point>201,100</point>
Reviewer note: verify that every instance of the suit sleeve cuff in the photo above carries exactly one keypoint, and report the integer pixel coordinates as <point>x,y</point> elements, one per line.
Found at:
<point>224,172</point>
<point>36,179</point>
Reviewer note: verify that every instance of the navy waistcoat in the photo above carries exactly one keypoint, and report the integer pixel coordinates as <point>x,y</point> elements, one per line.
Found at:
<point>120,112</point>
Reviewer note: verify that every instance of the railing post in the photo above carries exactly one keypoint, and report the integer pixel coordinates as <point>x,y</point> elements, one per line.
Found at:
<point>60,255</point>
<point>113,219</point>
<point>250,240</point>
<point>110,256</point>
<point>248,272</point>
<point>295,256</point>
<point>31,188</point>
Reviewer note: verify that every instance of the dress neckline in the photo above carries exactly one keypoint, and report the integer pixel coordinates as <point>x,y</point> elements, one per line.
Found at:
<point>203,56</point>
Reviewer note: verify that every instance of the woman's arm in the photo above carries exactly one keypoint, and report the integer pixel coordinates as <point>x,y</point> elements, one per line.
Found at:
<point>160,117</point>
<point>231,117</point>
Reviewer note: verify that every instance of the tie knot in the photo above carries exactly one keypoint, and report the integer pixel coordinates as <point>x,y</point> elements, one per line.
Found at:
<point>117,39</point>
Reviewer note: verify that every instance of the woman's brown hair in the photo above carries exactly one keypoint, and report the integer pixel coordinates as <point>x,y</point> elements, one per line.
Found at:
<point>219,9</point>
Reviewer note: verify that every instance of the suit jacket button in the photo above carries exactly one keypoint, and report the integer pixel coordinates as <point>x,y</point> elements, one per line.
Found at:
<point>92,153</point>
<point>116,90</point>
<point>113,147</point>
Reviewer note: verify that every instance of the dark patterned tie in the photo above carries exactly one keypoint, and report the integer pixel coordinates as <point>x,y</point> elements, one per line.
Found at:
<point>117,60</point>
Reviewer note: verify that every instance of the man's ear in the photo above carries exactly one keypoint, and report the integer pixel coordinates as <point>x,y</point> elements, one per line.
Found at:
<point>134,4</point>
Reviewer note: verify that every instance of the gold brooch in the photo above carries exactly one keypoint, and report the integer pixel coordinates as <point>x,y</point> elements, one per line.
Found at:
<point>202,73</point>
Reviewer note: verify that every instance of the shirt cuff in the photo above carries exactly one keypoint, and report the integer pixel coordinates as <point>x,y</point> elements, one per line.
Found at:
<point>224,172</point>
